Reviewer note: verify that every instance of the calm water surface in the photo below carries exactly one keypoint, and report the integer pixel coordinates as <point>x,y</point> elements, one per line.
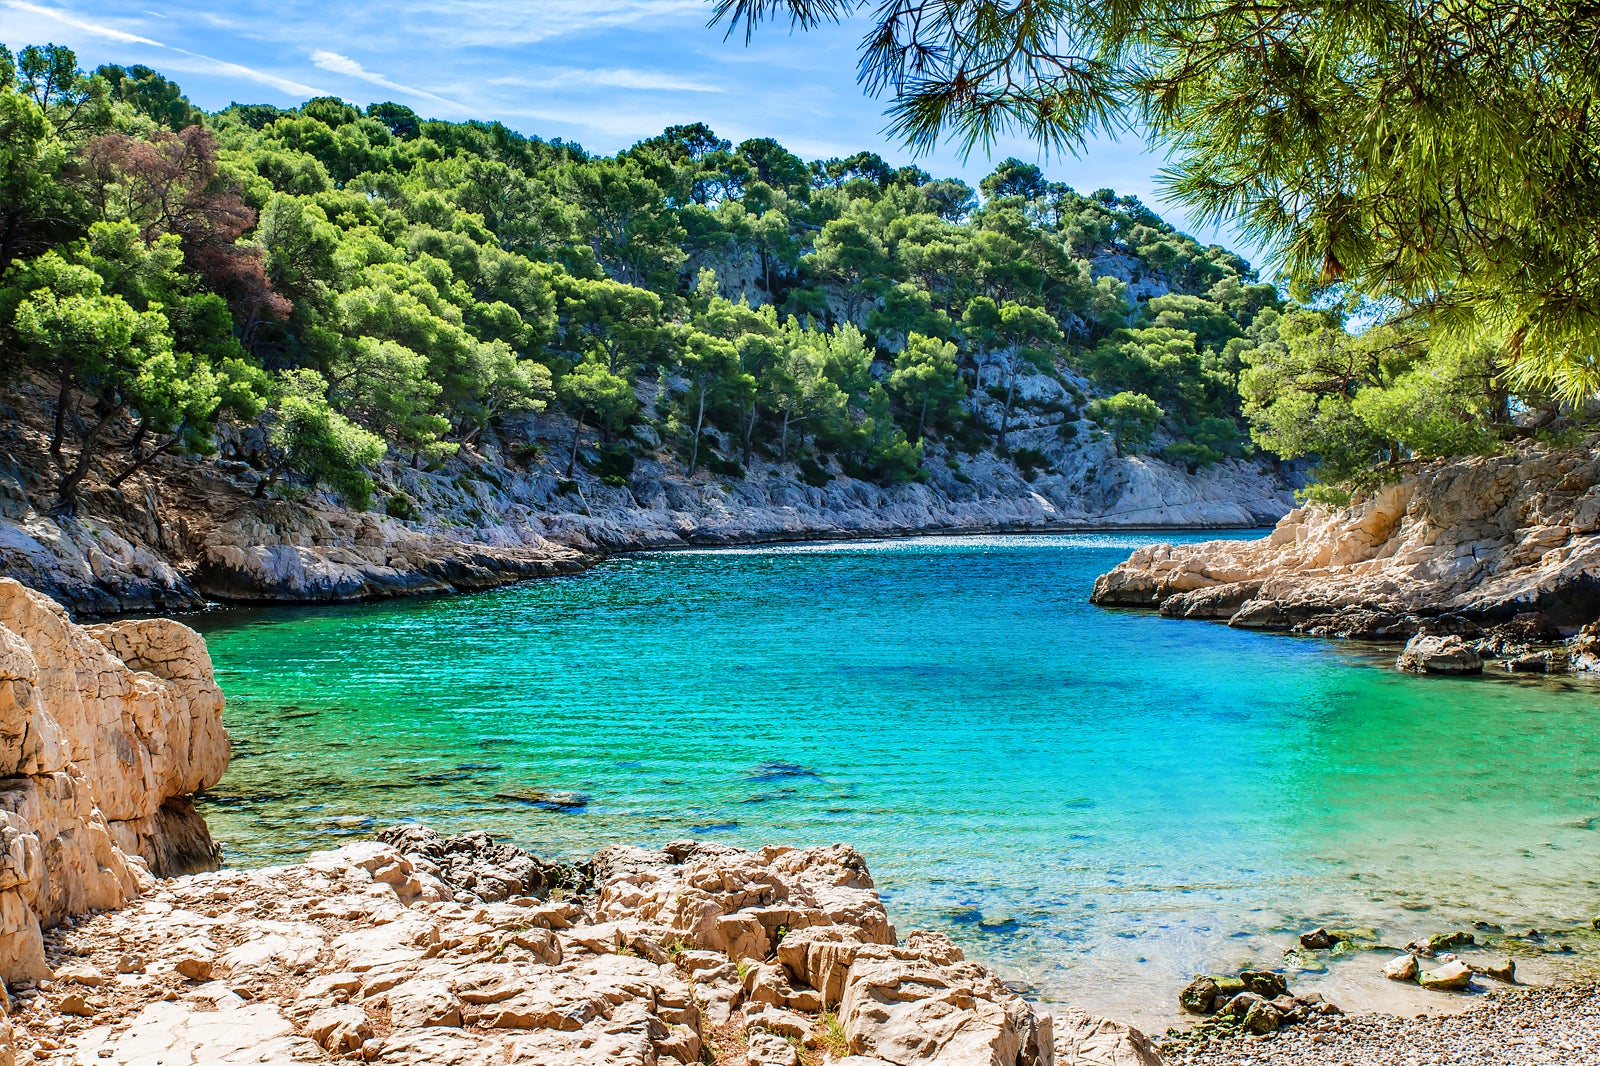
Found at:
<point>1098,802</point>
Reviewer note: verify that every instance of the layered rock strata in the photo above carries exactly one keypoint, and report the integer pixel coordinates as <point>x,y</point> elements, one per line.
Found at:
<point>105,734</point>
<point>695,953</point>
<point>1483,539</point>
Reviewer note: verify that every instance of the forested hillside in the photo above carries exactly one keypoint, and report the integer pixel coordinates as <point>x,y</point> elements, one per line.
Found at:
<point>362,283</point>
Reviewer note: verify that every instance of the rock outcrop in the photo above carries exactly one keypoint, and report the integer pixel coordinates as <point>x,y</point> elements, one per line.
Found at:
<point>1482,539</point>
<point>695,953</point>
<point>105,734</point>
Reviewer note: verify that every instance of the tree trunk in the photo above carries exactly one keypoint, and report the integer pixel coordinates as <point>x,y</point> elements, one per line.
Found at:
<point>141,462</point>
<point>1005,416</point>
<point>699,420</point>
<point>8,240</point>
<point>783,448</point>
<point>67,488</point>
<point>749,433</point>
<point>577,436</point>
<point>922,417</point>
<point>60,429</point>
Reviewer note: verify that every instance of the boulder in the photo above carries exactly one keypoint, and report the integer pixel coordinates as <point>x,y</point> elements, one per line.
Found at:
<point>1401,968</point>
<point>1453,976</point>
<point>1199,996</point>
<point>1268,984</point>
<point>340,1030</point>
<point>1317,940</point>
<point>421,1003</point>
<point>769,1049</point>
<point>1084,1040</point>
<point>1425,654</point>
<point>913,1011</point>
<point>1505,971</point>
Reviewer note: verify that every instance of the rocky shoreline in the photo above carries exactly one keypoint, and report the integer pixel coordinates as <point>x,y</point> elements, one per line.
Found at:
<point>459,951</point>
<point>186,533</point>
<point>1501,551</point>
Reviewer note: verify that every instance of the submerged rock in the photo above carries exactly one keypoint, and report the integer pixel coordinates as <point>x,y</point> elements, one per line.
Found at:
<point>1505,971</point>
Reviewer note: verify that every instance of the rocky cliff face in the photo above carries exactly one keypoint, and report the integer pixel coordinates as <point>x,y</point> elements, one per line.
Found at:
<point>192,532</point>
<point>105,734</point>
<point>1483,538</point>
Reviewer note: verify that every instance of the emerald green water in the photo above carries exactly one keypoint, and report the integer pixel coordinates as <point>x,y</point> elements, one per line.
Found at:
<point>1100,803</point>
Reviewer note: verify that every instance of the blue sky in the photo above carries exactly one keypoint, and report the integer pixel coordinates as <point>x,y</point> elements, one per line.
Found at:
<point>605,73</point>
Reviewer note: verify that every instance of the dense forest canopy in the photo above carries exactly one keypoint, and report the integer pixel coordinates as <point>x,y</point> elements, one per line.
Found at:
<point>365,282</point>
<point>1435,161</point>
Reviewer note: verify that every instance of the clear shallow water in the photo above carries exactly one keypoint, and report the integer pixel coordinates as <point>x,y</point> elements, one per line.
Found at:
<point>1123,800</point>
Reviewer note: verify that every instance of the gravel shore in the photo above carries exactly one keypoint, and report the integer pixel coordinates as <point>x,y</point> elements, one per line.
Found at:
<point>1515,1028</point>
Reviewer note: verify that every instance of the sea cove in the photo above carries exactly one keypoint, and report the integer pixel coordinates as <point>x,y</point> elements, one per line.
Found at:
<point>1098,803</point>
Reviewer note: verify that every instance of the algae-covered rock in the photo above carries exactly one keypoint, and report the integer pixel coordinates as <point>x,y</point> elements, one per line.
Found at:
<point>1266,983</point>
<point>1262,1018</point>
<point>1501,971</point>
<point>1199,996</point>
<point>1227,987</point>
<point>1445,941</point>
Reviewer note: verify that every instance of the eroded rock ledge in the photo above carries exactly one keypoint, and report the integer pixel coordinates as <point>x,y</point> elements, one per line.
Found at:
<point>105,734</point>
<point>1484,539</point>
<point>463,952</point>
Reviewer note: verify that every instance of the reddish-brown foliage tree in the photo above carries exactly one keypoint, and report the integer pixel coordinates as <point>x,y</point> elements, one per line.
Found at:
<point>169,184</point>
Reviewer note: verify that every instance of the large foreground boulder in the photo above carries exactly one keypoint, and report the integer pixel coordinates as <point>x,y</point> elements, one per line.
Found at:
<point>105,734</point>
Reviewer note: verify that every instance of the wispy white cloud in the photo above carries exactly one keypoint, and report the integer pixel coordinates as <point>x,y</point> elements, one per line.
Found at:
<point>343,64</point>
<point>510,23</point>
<point>191,60</point>
<point>578,79</point>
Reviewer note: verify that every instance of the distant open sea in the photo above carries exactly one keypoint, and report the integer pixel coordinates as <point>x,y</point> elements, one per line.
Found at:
<point>1098,803</point>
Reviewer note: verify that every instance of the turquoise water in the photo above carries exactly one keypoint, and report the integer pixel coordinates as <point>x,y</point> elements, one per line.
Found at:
<point>1098,802</point>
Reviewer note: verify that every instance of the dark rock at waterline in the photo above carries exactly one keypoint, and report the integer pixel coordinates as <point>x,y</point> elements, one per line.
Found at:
<point>1266,983</point>
<point>1216,602</point>
<point>1531,627</point>
<point>475,866</point>
<point>1426,654</point>
<point>1318,939</point>
<point>1199,996</point>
